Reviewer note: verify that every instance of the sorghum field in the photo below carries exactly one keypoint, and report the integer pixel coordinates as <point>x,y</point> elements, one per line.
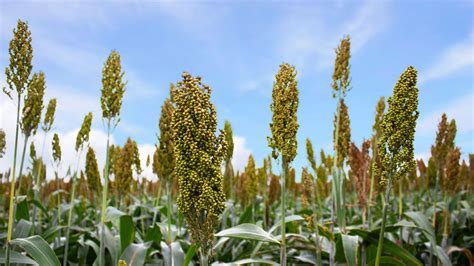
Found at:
<point>368,203</point>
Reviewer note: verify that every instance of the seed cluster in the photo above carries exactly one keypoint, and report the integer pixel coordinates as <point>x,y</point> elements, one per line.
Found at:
<point>83,134</point>
<point>49,116</point>
<point>310,154</point>
<point>199,154</point>
<point>56,149</point>
<point>21,54</point>
<point>284,107</point>
<point>251,179</point>
<point>92,171</point>
<point>344,136</point>
<point>3,143</point>
<point>398,129</point>
<point>341,75</point>
<point>33,106</point>
<point>359,161</point>
<point>453,172</point>
<point>113,87</point>
<point>165,150</point>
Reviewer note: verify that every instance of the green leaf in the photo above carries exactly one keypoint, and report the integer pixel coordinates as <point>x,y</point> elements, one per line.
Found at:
<point>384,260</point>
<point>22,229</point>
<point>190,254</point>
<point>22,211</point>
<point>351,246</point>
<point>135,254</point>
<point>246,217</point>
<point>153,234</point>
<point>247,262</point>
<point>17,258</point>
<point>291,218</point>
<point>38,249</point>
<point>248,232</point>
<point>127,231</point>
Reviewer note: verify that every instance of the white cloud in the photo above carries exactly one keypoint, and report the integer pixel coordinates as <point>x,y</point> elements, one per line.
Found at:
<point>241,153</point>
<point>455,58</point>
<point>309,41</point>
<point>145,151</point>
<point>461,109</point>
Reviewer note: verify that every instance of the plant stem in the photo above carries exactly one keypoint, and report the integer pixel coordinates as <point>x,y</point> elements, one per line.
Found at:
<point>386,204</point>
<point>104,199</point>
<point>444,242</point>
<point>170,206</point>
<point>71,207</point>
<point>37,177</point>
<point>315,222</point>
<point>12,185</point>
<point>22,161</point>
<point>283,212</point>
<point>203,258</point>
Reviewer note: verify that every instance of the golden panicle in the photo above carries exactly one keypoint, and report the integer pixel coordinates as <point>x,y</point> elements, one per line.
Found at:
<point>83,134</point>
<point>33,105</point>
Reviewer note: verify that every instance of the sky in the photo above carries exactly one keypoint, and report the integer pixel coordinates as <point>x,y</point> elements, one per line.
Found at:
<point>237,47</point>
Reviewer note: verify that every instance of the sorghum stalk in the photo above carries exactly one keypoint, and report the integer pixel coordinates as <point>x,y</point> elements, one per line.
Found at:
<point>284,127</point>
<point>57,162</point>
<point>396,143</point>
<point>17,77</point>
<point>81,139</point>
<point>112,92</point>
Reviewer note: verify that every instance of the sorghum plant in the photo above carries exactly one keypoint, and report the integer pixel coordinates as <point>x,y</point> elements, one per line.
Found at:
<point>17,77</point>
<point>451,183</point>
<point>57,162</point>
<point>283,127</point>
<point>199,155</point>
<point>166,159</point>
<point>340,86</point>
<point>396,142</point>
<point>377,133</point>
<point>229,170</point>
<point>359,162</point>
<point>113,88</point>
<point>81,140</point>
<point>251,183</point>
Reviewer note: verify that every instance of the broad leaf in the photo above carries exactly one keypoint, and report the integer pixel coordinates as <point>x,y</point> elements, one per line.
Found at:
<point>248,232</point>
<point>38,249</point>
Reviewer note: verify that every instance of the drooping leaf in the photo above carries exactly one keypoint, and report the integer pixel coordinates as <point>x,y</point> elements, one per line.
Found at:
<point>38,249</point>
<point>135,254</point>
<point>249,232</point>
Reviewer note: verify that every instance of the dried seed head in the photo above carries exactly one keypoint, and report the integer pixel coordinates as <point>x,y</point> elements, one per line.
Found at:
<point>275,189</point>
<point>310,154</point>
<point>398,129</point>
<point>49,116</point>
<point>359,161</point>
<point>83,134</point>
<point>92,171</point>
<point>33,105</point>
<point>3,143</point>
<point>113,87</point>
<point>251,180</point>
<point>199,154</point>
<point>21,54</point>
<point>229,140</point>
<point>165,150</point>
<point>453,170</point>
<point>341,76</point>
<point>344,136</point>
<point>308,188</point>
<point>284,107</point>
<point>56,149</point>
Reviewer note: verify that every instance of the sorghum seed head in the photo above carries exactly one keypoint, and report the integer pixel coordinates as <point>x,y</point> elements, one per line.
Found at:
<point>113,87</point>
<point>83,134</point>
<point>21,54</point>
<point>92,171</point>
<point>3,143</point>
<point>284,107</point>
<point>341,76</point>
<point>56,149</point>
<point>49,116</point>
<point>33,104</point>
<point>344,136</point>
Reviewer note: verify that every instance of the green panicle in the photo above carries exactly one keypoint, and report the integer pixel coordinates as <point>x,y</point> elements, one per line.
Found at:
<point>56,149</point>
<point>341,75</point>
<point>83,134</point>
<point>165,150</point>
<point>92,171</point>
<point>398,129</point>
<point>21,54</point>
<point>49,116</point>
<point>310,154</point>
<point>32,151</point>
<point>33,106</point>
<point>251,179</point>
<point>344,138</point>
<point>199,154</point>
<point>284,107</point>
<point>113,87</point>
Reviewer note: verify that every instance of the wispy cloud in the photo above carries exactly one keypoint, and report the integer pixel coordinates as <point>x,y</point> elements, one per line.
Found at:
<point>455,58</point>
<point>461,109</point>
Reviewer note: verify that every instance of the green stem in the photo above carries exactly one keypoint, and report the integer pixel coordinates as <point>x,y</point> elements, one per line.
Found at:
<point>104,199</point>
<point>203,258</point>
<point>315,222</point>
<point>170,206</point>
<point>71,207</point>
<point>444,242</point>
<point>283,212</point>
<point>37,179</point>
<point>384,221</point>
<point>12,184</point>
<point>22,161</point>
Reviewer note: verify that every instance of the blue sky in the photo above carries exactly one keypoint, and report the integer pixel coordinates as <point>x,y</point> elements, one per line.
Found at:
<point>237,46</point>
